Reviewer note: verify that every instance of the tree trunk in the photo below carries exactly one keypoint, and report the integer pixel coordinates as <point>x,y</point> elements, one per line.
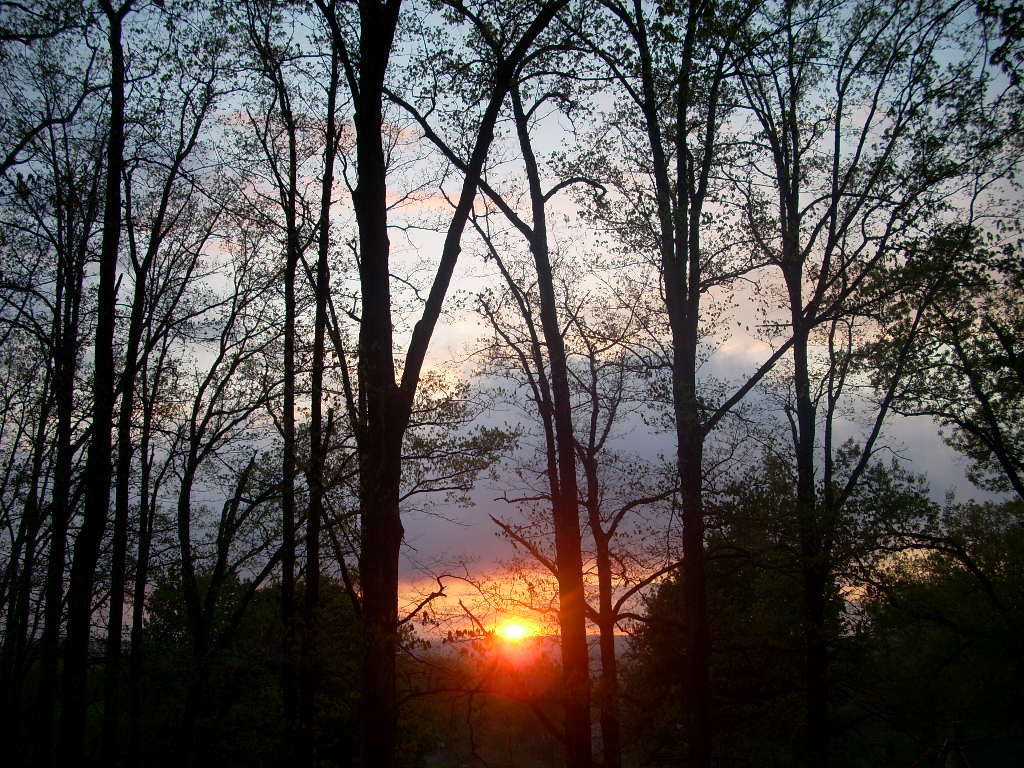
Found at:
<point>194,701</point>
<point>317,435</point>
<point>118,577</point>
<point>682,298</point>
<point>813,558</point>
<point>288,463</point>
<point>197,621</point>
<point>680,204</point>
<point>697,690</point>
<point>383,425</point>
<point>289,202</point>
<point>611,738</point>
<point>384,405</point>
<point>98,466</point>
<point>608,688</point>
<point>69,281</point>
<point>141,578</point>
<point>565,498</point>
<point>378,571</point>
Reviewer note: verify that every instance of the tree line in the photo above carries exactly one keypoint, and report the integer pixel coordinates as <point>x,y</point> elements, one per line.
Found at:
<point>230,233</point>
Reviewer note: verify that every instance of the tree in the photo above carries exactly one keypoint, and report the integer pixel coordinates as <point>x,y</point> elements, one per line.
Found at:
<point>966,367</point>
<point>34,34</point>
<point>319,433</point>
<point>385,400</point>
<point>937,666</point>
<point>864,139</point>
<point>280,135</point>
<point>227,392</point>
<point>674,65</point>
<point>755,565</point>
<point>545,363</point>
<point>603,392</point>
<point>51,216</point>
<point>159,187</point>
<point>99,467</point>
<point>212,366</point>
<point>242,722</point>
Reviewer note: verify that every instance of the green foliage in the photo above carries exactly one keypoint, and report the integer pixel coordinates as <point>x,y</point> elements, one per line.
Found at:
<point>442,453</point>
<point>940,654</point>
<point>754,616</point>
<point>493,702</point>
<point>966,358</point>
<point>1006,20</point>
<point>903,606</point>
<point>241,722</point>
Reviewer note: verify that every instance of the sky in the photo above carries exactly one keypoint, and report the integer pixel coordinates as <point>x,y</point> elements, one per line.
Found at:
<point>453,537</point>
<point>463,541</point>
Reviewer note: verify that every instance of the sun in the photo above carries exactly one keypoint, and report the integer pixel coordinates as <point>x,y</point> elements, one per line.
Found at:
<point>513,630</point>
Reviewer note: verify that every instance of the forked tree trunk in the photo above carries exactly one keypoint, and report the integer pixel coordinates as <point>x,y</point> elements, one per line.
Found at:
<point>385,405</point>
<point>380,443</point>
<point>680,202</point>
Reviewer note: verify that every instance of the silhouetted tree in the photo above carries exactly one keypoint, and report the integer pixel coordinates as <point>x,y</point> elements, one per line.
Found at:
<point>864,138</point>
<point>385,399</point>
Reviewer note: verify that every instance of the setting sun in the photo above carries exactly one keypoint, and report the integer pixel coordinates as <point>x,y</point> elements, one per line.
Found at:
<point>513,630</point>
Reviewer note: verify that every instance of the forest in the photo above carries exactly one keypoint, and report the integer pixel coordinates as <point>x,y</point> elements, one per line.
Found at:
<point>450,383</point>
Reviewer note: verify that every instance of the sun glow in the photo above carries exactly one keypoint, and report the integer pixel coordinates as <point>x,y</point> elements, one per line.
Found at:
<point>513,630</point>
